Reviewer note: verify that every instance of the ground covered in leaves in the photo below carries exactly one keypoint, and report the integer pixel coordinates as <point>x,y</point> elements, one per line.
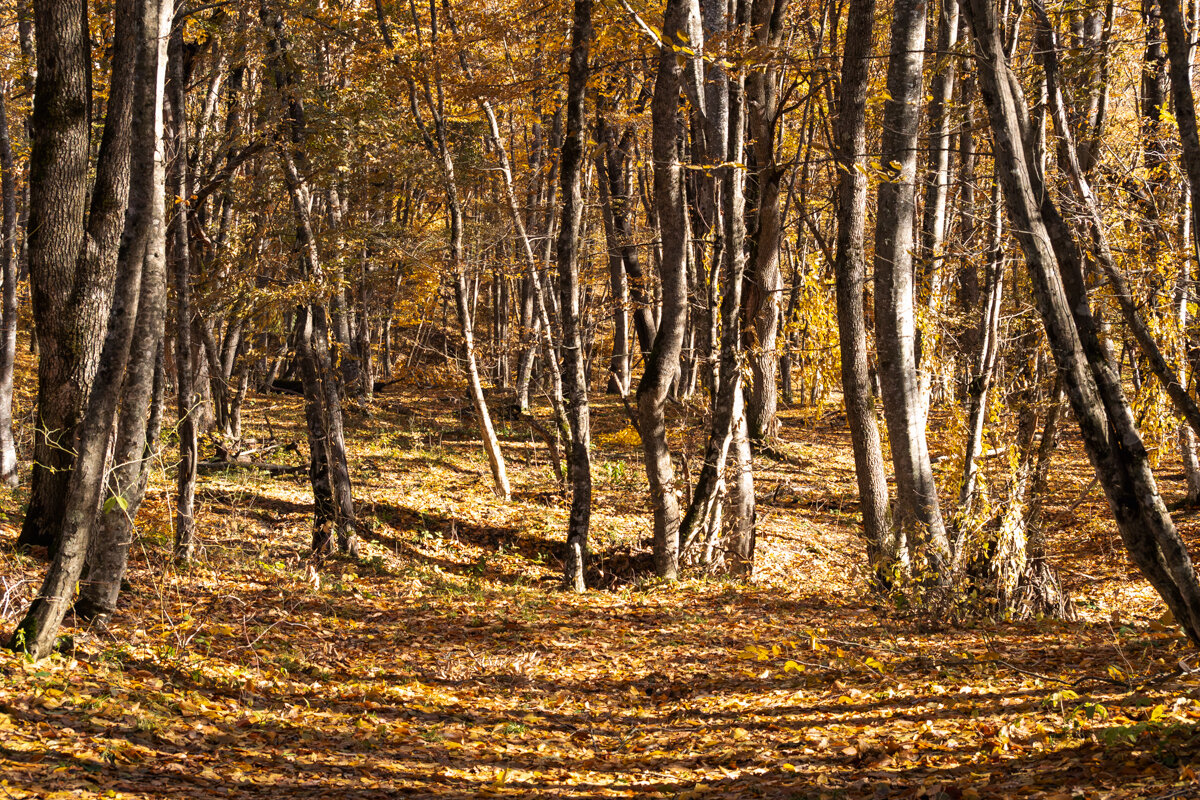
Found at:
<point>446,662</point>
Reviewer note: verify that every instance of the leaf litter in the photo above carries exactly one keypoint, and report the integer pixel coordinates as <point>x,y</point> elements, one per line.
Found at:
<point>446,662</point>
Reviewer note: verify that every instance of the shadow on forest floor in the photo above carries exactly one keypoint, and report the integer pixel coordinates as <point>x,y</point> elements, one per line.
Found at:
<point>446,663</point>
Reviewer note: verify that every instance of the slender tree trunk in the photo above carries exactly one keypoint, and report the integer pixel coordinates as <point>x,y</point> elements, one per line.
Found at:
<point>332,491</point>
<point>850,271</point>
<point>187,404</point>
<point>8,297</point>
<point>937,181</point>
<point>569,241</point>
<point>1179,49</point>
<point>764,282</point>
<point>436,142</point>
<point>140,416</point>
<point>663,363</point>
<point>988,339</point>
<point>918,511</point>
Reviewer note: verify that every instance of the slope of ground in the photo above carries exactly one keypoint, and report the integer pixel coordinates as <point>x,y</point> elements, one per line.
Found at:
<point>447,663</point>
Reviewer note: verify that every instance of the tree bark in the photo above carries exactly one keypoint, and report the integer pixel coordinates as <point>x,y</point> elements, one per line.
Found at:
<point>1109,433</point>
<point>569,235</point>
<point>764,282</point>
<point>671,211</point>
<point>142,34</point>
<point>8,297</point>
<point>72,247</point>
<point>917,508</point>
<point>187,404</point>
<point>333,496</point>
<point>850,270</point>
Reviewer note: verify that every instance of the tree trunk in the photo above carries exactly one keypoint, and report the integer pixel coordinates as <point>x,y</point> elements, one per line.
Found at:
<point>569,236</point>
<point>764,282</point>
<point>1109,433</point>
<point>700,521</point>
<point>663,363</point>
<point>918,512</point>
<point>132,298</point>
<point>850,269</point>
<point>8,298</point>
<point>72,248</point>
<point>330,472</point>
<point>187,404</point>
<point>988,338</point>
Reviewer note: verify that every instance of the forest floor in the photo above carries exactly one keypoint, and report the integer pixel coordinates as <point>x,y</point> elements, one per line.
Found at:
<point>446,662</point>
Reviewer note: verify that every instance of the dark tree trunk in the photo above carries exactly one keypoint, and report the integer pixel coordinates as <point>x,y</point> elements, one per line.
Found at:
<point>187,403</point>
<point>132,298</point>
<point>330,472</point>
<point>569,241</point>
<point>72,249</point>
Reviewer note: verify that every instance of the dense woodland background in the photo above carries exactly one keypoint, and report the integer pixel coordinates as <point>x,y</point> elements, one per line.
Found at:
<point>741,397</point>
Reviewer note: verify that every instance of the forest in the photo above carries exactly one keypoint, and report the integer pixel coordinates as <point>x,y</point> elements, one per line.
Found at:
<point>599,398</point>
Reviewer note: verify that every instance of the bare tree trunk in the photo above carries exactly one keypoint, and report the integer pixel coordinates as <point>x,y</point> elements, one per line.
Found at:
<point>850,269</point>
<point>131,299</point>
<point>988,339</point>
<point>574,371</point>
<point>437,144</point>
<point>937,181</point>
<point>918,511</point>
<point>671,211</point>
<point>329,468</point>
<point>140,417</point>
<point>764,282</point>
<point>180,254</point>
<point>1106,423</point>
<point>8,299</point>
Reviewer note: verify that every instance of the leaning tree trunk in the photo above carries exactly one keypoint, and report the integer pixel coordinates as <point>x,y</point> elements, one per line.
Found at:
<point>850,270</point>
<point>918,511</point>
<point>661,367</point>
<point>1106,423</point>
<point>435,138</point>
<point>131,298</point>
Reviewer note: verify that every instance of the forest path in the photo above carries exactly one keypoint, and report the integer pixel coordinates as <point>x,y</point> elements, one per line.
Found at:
<point>446,663</point>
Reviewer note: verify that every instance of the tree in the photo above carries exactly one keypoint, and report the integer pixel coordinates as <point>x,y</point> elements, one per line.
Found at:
<point>138,302</point>
<point>681,22</point>
<point>918,512</point>
<point>574,366</point>
<point>850,271</point>
<point>72,242</point>
<point>1052,257</point>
